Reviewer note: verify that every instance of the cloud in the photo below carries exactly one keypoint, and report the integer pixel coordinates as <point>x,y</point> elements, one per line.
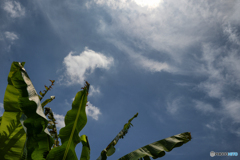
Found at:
<point>93,90</point>
<point>78,67</point>
<point>212,126</point>
<point>92,111</point>
<point>142,61</point>
<point>182,37</point>
<point>174,29</point>
<point>231,108</point>
<point>163,28</point>
<point>233,36</point>
<point>14,9</point>
<point>204,107</point>
<point>11,36</point>
<point>199,39</point>
<point>212,89</point>
<point>221,67</point>
<point>173,105</point>
<point>150,4</point>
<point>59,120</point>
<point>1,109</point>
<point>152,65</point>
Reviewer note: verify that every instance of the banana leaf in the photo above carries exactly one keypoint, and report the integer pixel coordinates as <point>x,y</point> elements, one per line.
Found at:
<point>75,120</point>
<point>23,113</point>
<point>12,134</point>
<point>157,149</point>
<point>85,155</point>
<point>110,149</point>
<point>48,101</point>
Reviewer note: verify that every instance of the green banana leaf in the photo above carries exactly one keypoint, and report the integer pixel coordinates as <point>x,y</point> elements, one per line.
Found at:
<point>39,140</point>
<point>48,101</point>
<point>110,149</point>
<point>12,134</point>
<point>75,120</point>
<point>157,149</point>
<point>85,155</point>
<point>23,113</point>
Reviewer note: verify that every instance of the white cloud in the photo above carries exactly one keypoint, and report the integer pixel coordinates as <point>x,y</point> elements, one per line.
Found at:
<point>173,105</point>
<point>149,3</point>
<point>233,36</point>
<point>142,61</point>
<point>92,111</point>
<point>185,32</point>
<point>1,109</point>
<point>231,66</point>
<point>11,36</point>
<point>152,65</point>
<point>211,126</point>
<point>213,88</point>
<point>93,90</point>
<point>231,108</point>
<point>59,120</point>
<point>170,28</point>
<point>14,9</point>
<point>119,4</point>
<point>78,67</point>
<point>221,67</point>
<point>235,131</point>
<point>67,103</point>
<point>204,107</point>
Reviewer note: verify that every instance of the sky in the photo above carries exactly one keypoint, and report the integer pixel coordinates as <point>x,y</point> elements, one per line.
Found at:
<point>176,63</point>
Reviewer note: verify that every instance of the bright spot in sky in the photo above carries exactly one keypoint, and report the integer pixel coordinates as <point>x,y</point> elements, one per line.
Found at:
<point>148,3</point>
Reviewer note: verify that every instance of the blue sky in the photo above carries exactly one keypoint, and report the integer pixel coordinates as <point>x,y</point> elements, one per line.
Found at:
<point>176,63</point>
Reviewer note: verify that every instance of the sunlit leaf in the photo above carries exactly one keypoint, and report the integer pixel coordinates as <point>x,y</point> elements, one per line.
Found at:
<point>12,134</point>
<point>157,149</point>
<point>85,155</point>
<point>75,120</point>
<point>21,95</point>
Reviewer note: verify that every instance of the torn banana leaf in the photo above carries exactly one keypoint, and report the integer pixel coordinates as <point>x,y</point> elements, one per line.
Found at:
<point>23,113</point>
<point>157,149</point>
<point>75,120</point>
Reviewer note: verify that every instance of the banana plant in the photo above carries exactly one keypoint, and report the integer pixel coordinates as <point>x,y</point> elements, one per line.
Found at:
<point>27,134</point>
<point>157,149</point>
<point>154,150</point>
<point>23,131</point>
